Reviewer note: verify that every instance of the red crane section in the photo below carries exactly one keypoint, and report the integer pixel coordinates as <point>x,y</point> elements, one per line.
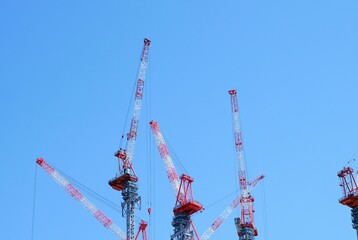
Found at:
<point>185,201</point>
<point>142,229</point>
<point>349,187</point>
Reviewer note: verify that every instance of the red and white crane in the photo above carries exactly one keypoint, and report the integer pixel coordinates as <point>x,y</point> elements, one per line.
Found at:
<point>175,181</point>
<point>76,194</point>
<point>125,155</point>
<point>185,204</point>
<point>226,213</point>
<point>245,224</point>
<point>126,179</point>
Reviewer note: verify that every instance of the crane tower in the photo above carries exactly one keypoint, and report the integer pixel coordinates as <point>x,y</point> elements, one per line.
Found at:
<point>350,193</point>
<point>244,224</point>
<point>126,178</point>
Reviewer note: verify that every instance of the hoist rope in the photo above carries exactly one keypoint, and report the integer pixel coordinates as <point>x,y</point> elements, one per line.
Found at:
<point>220,200</point>
<point>131,100</point>
<point>236,173</point>
<point>34,204</point>
<point>175,157</point>
<point>263,193</point>
<point>91,192</point>
<point>150,175</point>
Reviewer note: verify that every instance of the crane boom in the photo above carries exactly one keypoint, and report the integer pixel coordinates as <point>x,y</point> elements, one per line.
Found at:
<point>76,194</point>
<point>245,224</point>
<point>222,217</point>
<point>253,183</point>
<point>128,154</point>
<point>167,160</point>
<point>238,142</point>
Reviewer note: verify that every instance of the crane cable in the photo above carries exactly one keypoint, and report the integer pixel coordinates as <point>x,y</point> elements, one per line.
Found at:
<point>84,189</point>
<point>91,192</point>
<point>175,156</point>
<point>127,114</point>
<point>264,212</point>
<point>220,200</point>
<point>34,204</point>
<point>150,164</point>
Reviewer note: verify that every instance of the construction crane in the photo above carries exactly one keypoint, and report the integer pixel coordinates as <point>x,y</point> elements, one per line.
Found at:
<point>76,194</point>
<point>245,223</point>
<point>350,193</point>
<point>185,205</point>
<point>226,213</point>
<point>126,178</point>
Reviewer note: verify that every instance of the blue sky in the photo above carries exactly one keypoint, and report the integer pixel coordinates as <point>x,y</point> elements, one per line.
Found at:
<point>67,70</point>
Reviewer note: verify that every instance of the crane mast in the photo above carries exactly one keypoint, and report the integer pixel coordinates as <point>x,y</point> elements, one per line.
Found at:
<point>350,194</point>
<point>126,179</point>
<point>76,194</point>
<point>244,224</point>
<point>185,204</point>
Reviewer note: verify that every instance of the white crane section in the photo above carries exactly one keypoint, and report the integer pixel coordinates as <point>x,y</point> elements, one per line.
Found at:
<point>222,217</point>
<point>132,135</point>
<point>246,229</point>
<point>165,156</point>
<point>76,194</point>
<point>238,143</point>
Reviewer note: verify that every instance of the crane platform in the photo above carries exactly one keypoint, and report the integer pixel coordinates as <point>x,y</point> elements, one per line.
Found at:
<point>117,183</point>
<point>350,201</point>
<point>188,208</point>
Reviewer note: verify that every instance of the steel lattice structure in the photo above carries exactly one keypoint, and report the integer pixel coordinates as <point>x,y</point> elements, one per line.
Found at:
<point>126,179</point>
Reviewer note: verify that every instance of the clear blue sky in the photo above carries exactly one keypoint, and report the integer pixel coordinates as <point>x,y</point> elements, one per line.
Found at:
<point>67,70</point>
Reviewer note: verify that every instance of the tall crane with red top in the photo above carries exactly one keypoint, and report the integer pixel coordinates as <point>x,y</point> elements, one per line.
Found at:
<point>185,204</point>
<point>126,178</point>
<point>245,223</point>
<point>226,213</point>
<point>76,194</point>
<point>350,193</point>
